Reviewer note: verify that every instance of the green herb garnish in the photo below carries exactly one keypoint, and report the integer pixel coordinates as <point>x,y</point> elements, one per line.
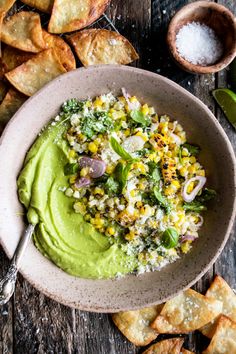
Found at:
<point>121,173</point>
<point>111,186</point>
<point>170,238</point>
<point>198,204</point>
<point>140,118</point>
<point>194,206</point>
<point>192,149</point>
<point>72,106</point>
<point>71,169</point>
<point>154,171</point>
<point>98,122</point>
<point>120,150</point>
<point>162,200</point>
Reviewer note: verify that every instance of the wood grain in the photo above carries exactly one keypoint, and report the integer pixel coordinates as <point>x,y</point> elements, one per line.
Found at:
<point>32,323</point>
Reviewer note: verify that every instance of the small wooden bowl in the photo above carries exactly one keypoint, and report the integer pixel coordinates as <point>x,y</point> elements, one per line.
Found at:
<point>217,17</point>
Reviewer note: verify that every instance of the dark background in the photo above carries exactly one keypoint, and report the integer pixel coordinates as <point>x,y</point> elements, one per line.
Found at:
<point>32,323</point>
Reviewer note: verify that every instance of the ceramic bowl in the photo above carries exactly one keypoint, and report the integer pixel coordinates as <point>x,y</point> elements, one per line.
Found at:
<point>217,156</point>
<point>217,17</point>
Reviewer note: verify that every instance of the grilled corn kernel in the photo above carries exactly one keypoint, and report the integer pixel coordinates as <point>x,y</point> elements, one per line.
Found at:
<point>98,102</point>
<point>169,190</point>
<point>99,191</point>
<point>133,193</point>
<point>127,132</point>
<point>109,169</point>
<point>130,236</point>
<point>190,187</point>
<point>84,171</point>
<point>185,247</point>
<point>191,169</point>
<point>142,135</point>
<point>98,222</point>
<point>192,159</point>
<point>184,152</point>
<point>72,179</point>
<point>92,147</point>
<point>133,99</point>
<point>183,171</point>
<point>201,173</point>
<point>175,184</point>
<point>145,109</point>
<point>111,231</point>
<point>72,154</point>
<point>139,204</point>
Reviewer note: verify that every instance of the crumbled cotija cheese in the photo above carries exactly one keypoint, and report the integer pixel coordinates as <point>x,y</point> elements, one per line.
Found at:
<point>198,44</point>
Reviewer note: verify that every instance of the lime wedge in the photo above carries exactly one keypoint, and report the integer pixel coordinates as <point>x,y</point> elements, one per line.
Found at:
<point>227,101</point>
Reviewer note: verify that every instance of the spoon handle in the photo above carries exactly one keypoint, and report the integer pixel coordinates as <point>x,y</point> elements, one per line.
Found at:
<point>7,284</point>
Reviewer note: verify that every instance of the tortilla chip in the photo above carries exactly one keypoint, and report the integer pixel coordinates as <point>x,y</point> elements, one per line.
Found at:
<point>31,76</point>
<point>3,90</point>
<point>62,50</point>
<point>68,16</point>
<point>186,312</point>
<point>5,5</point>
<point>11,103</point>
<point>224,339</point>
<point>99,46</point>
<point>167,346</point>
<point>135,324</point>
<point>12,57</point>
<point>23,31</point>
<point>185,351</point>
<point>42,5</point>
<point>220,290</point>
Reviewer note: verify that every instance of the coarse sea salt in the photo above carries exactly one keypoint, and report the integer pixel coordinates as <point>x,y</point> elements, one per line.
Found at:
<point>198,44</point>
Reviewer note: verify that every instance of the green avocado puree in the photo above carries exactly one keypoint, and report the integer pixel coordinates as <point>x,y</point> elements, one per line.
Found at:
<point>61,234</point>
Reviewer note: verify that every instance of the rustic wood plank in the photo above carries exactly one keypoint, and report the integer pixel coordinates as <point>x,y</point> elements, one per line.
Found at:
<point>226,264</point>
<point>6,312</point>
<point>40,324</point>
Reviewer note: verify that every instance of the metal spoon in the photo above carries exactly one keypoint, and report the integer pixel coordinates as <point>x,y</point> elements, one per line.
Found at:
<point>7,284</point>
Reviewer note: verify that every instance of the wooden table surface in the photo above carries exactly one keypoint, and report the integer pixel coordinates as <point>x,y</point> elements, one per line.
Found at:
<point>32,323</point>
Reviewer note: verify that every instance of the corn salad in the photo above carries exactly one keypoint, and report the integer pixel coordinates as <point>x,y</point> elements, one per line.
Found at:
<point>128,168</point>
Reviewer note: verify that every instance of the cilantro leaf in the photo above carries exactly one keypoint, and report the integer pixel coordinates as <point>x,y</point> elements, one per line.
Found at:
<point>140,118</point>
<point>120,150</point>
<point>164,203</point>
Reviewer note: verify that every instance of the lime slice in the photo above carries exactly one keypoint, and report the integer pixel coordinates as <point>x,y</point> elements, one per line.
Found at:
<point>227,101</point>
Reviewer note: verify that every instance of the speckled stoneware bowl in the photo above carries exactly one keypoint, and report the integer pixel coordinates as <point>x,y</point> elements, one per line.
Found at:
<point>202,128</point>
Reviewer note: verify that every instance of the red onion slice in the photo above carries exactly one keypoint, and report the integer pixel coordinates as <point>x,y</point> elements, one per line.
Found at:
<point>83,182</point>
<point>189,197</point>
<point>96,167</point>
<point>188,237</point>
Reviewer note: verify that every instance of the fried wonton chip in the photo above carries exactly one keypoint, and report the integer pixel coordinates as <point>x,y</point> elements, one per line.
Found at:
<point>12,57</point>
<point>5,5</point>
<point>62,50</point>
<point>185,351</point>
<point>220,290</point>
<point>224,339</point>
<point>23,31</point>
<point>36,72</point>
<point>3,90</point>
<point>99,46</point>
<point>186,312</point>
<point>11,103</point>
<point>167,346</point>
<point>68,16</point>
<point>135,324</point>
<point>42,5</point>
